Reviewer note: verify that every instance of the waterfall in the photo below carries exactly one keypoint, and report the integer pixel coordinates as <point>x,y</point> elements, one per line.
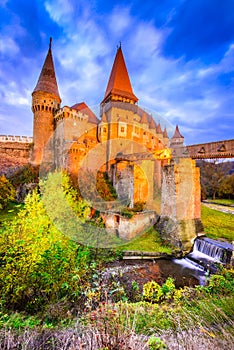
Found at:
<point>205,257</point>
<point>207,250</point>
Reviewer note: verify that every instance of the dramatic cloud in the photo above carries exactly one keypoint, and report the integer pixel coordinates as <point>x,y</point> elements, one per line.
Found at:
<point>179,55</point>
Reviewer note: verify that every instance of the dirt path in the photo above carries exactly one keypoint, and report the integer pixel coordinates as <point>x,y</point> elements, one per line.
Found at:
<point>219,207</point>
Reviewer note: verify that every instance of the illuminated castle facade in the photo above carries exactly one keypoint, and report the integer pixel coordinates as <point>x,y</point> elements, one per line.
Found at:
<point>124,140</point>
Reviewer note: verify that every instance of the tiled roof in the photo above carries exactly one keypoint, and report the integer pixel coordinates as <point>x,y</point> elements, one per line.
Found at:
<point>119,83</point>
<point>47,80</point>
<point>82,107</point>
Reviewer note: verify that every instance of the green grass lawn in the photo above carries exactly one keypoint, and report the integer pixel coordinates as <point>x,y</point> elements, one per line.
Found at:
<point>222,201</point>
<point>218,225</point>
<point>150,241</point>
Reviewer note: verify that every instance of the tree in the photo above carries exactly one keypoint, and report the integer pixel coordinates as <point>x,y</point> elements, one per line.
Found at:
<point>227,187</point>
<point>7,192</point>
<point>212,175</point>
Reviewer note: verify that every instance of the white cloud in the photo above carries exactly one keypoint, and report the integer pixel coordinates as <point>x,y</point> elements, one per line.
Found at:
<point>119,21</point>
<point>59,10</point>
<point>8,46</point>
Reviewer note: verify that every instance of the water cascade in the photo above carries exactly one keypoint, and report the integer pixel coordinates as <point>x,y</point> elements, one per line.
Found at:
<point>206,256</point>
<point>207,251</point>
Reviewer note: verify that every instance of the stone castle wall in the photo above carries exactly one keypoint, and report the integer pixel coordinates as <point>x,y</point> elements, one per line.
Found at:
<point>14,151</point>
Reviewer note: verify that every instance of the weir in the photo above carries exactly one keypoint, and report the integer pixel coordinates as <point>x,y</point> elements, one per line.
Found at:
<point>207,251</point>
<point>206,256</point>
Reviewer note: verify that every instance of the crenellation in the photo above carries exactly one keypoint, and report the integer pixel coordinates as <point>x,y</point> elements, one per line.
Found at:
<point>13,138</point>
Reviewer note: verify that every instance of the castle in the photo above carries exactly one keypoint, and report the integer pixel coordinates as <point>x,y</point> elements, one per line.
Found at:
<point>128,145</point>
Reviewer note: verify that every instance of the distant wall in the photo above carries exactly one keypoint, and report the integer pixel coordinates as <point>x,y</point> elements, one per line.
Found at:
<point>14,151</point>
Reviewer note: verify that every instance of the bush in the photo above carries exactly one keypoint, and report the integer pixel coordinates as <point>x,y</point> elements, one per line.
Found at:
<point>222,283</point>
<point>38,264</point>
<point>156,343</point>
<point>154,293</point>
<point>7,192</point>
<point>24,175</point>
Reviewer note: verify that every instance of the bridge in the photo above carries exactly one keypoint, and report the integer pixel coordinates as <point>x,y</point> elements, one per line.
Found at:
<point>212,150</point>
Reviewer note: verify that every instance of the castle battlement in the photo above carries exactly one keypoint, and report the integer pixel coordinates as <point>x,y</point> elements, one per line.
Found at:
<point>13,138</point>
<point>69,112</point>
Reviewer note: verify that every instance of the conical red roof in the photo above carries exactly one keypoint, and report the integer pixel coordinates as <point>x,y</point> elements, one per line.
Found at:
<point>165,134</point>
<point>177,134</point>
<point>144,119</point>
<point>119,83</point>
<point>152,124</point>
<point>47,80</point>
<point>159,129</point>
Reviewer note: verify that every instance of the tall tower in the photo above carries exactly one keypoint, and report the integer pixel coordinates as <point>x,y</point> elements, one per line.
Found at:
<point>45,101</point>
<point>119,100</point>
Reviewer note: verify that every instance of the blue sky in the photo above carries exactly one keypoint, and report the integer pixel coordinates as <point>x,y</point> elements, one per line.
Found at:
<point>179,54</point>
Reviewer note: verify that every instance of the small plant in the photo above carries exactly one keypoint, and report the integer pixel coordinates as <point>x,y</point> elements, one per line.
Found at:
<point>222,283</point>
<point>156,343</point>
<point>139,206</point>
<point>154,293</point>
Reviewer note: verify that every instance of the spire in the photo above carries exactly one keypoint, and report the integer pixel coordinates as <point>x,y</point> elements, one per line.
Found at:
<point>47,80</point>
<point>165,135</point>
<point>152,124</point>
<point>144,119</point>
<point>159,129</point>
<point>119,85</point>
<point>177,134</point>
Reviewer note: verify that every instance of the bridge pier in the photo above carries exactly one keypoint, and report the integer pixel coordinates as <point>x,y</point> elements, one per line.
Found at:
<point>180,219</point>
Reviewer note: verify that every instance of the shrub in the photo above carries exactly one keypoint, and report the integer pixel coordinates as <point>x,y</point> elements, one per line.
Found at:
<point>156,343</point>
<point>24,175</point>
<point>139,206</point>
<point>7,192</point>
<point>222,283</point>
<point>154,293</point>
<point>38,265</point>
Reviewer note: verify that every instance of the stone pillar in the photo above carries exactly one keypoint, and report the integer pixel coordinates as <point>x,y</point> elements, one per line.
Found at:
<point>180,220</point>
<point>124,182</point>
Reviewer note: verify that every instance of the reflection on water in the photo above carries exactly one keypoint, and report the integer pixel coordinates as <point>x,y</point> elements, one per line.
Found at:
<point>184,272</point>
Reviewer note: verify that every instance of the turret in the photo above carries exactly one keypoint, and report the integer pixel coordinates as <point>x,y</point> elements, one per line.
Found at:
<point>177,144</point>
<point>45,101</point>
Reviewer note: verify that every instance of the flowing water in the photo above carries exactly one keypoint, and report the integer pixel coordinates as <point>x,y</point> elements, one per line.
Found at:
<point>206,256</point>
